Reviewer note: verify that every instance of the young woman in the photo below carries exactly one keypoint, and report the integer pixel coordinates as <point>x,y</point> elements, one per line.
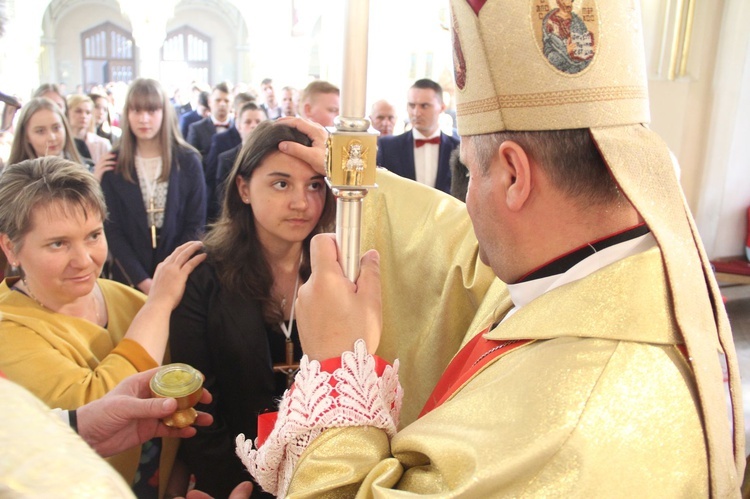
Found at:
<point>42,130</point>
<point>66,335</point>
<point>80,118</point>
<point>236,318</point>
<point>103,120</point>
<point>53,93</point>
<point>156,195</point>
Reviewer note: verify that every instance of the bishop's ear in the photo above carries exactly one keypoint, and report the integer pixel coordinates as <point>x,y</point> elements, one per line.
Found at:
<point>516,170</point>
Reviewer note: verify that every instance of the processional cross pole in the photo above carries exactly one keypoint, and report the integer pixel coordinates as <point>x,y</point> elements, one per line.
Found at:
<point>351,148</point>
<point>350,154</point>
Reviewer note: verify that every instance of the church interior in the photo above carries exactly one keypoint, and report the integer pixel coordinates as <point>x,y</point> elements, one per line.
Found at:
<point>698,56</point>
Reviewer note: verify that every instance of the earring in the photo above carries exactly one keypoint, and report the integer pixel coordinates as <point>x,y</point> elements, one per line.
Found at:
<point>247,201</point>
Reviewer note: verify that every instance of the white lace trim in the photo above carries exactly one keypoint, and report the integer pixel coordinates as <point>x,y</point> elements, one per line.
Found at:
<point>309,408</point>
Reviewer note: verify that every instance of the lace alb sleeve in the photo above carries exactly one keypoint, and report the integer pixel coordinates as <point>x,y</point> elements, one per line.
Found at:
<point>352,395</point>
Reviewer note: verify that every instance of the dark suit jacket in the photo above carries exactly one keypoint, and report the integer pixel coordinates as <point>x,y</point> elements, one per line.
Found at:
<point>225,164</point>
<point>224,336</point>
<point>127,227</point>
<point>187,119</point>
<point>220,142</point>
<point>396,153</point>
<point>199,136</point>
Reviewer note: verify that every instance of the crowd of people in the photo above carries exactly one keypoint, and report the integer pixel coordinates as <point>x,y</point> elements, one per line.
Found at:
<point>556,334</point>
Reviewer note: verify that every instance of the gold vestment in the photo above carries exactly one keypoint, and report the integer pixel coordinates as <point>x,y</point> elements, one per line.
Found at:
<point>603,404</point>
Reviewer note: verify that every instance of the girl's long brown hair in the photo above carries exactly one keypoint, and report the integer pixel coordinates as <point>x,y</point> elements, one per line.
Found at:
<point>232,243</point>
<point>21,149</point>
<point>147,94</point>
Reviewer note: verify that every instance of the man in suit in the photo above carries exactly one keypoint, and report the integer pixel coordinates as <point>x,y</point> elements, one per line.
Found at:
<point>222,142</point>
<point>383,117</point>
<point>200,133</point>
<point>319,102</point>
<point>250,116</point>
<point>289,99</point>
<point>197,114</point>
<point>270,105</point>
<point>423,153</point>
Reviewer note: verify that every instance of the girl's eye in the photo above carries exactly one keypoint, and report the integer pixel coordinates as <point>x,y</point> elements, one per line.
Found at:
<point>95,236</point>
<point>316,186</point>
<point>56,244</point>
<point>280,185</point>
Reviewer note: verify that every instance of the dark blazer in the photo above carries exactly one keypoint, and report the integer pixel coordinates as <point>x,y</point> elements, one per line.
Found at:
<point>220,142</point>
<point>199,136</point>
<point>225,164</point>
<point>187,119</point>
<point>127,227</point>
<point>224,336</point>
<point>396,153</point>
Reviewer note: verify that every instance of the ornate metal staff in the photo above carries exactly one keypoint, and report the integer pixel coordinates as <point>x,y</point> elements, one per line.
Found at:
<point>351,151</point>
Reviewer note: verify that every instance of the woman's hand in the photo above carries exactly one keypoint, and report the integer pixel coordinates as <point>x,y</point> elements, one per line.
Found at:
<point>171,275</point>
<point>314,155</point>
<point>106,163</point>
<point>150,327</point>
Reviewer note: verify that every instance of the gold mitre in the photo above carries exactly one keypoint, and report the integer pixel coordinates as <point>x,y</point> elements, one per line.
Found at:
<point>520,66</point>
<point>535,65</point>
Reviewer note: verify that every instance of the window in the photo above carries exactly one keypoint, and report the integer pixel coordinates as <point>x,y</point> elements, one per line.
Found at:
<point>186,57</point>
<point>108,55</point>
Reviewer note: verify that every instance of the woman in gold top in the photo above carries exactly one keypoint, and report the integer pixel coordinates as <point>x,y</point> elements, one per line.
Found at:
<point>68,336</point>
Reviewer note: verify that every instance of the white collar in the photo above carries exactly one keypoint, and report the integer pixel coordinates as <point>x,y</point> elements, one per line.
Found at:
<point>228,121</point>
<point>523,293</point>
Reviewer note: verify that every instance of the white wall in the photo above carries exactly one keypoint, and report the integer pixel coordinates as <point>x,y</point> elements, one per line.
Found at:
<point>725,187</point>
<point>704,116</point>
<point>223,36</point>
<point>67,67</point>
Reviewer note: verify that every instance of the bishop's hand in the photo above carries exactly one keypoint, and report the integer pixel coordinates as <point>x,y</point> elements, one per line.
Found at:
<point>332,312</point>
<point>314,155</point>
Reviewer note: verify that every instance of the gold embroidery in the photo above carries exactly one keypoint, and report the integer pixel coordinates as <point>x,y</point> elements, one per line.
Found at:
<point>551,99</point>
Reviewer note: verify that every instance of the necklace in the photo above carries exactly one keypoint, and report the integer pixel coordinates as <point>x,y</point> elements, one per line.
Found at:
<point>287,328</point>
<point>151,185</point>
<point>94,301</point>
<point>289,367</point>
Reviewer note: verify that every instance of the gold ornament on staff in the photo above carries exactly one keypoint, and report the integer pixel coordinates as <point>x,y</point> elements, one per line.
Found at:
<point>351,148</point>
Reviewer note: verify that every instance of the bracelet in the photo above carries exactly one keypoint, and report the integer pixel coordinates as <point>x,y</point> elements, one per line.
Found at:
<point>73,420</point>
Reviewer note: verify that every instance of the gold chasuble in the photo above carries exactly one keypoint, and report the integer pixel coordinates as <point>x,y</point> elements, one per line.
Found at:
<point>529,425</point>
<point>434,286</point>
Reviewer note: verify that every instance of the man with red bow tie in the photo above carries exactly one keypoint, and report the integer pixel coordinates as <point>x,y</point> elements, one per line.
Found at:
<point>423,153</point>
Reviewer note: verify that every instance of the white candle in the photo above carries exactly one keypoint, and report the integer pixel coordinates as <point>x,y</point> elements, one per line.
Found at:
<point>354,76</point>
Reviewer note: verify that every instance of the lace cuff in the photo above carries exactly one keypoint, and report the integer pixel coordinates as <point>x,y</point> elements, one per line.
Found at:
<point>353,395</point>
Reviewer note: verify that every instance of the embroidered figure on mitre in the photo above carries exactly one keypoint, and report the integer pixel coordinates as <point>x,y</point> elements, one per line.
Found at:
<point>567,42</point>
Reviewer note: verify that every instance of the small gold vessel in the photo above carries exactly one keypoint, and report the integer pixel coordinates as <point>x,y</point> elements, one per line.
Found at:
<point>184,383</point>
